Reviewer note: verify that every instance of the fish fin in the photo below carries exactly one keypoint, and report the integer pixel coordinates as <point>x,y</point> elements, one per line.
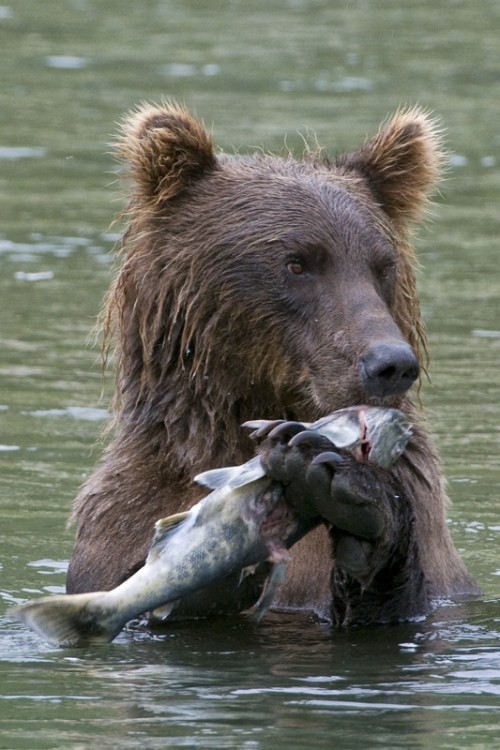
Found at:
<point>164,527</point>
<point>232,476</point>
<point>214,479</point>
<point>275,579</point>
<point>249,570</point>
<point>161,613</point>
<point>68,620</point>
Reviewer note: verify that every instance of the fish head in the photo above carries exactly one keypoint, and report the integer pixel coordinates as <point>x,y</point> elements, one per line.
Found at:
<point>386,433</point>
<point>372,434</point>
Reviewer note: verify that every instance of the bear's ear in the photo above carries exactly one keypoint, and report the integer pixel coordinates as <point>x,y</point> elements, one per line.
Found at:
<point>401,164</point>
<point>166,149</point>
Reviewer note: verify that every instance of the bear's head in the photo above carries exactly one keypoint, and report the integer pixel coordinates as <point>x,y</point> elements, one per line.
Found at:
<point>265,286</point>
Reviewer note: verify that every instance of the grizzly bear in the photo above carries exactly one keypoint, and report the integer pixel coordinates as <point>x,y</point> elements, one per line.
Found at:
<point>271,287</point>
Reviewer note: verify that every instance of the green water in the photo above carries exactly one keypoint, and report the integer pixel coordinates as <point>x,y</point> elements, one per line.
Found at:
<point>260,72</point>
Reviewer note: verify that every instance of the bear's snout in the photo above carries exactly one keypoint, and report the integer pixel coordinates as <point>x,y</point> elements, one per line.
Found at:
<point>389,369</point>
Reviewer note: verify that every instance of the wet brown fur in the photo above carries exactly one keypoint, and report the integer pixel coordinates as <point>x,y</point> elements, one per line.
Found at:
<point>208,330</point>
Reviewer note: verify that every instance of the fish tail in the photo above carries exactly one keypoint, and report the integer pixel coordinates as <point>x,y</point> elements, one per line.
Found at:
<point>70,620</point>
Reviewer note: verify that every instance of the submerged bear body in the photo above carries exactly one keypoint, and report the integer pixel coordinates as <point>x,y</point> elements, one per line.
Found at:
<point>267,287</point>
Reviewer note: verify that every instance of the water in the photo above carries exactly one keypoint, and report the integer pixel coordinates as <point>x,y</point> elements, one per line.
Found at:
<point>288,683</point>
<point>257,71</point>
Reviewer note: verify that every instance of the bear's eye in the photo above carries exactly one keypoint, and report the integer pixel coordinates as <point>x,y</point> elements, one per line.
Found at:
<point>295,267</point>
<point>386,271</point>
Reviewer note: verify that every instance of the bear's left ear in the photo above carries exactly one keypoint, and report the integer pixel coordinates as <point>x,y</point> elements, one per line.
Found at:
<point>401,164</point>
<point>167,149</point>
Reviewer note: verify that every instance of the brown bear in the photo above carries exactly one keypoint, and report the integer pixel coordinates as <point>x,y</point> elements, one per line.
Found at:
<point>270,287</point>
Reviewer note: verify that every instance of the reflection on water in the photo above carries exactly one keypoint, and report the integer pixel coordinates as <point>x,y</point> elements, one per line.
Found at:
<point>233,684</point>
<point>258,71</point>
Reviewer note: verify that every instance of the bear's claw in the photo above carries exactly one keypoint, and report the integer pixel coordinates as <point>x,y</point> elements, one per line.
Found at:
<point>261,427</point>
<point>328,457</point>
<point>286,431</point>
<point>310,437</point>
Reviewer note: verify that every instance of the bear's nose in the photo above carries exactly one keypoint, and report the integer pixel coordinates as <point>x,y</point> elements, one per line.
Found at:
<point>389,369</point>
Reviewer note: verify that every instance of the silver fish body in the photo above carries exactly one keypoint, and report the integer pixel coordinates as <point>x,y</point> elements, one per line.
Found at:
<point>241,523</point>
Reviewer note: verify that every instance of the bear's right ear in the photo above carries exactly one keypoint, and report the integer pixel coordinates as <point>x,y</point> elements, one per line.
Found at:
<point>167,149</point>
